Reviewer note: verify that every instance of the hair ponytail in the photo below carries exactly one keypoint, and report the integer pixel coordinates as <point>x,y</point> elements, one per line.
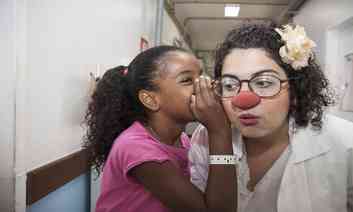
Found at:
<point>109,113</point>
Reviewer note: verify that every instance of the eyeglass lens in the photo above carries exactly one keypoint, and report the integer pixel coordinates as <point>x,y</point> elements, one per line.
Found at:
<point>263,85</point>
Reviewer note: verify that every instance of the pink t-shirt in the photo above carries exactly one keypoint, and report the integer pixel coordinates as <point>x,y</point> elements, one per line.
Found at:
<point>122,193</point>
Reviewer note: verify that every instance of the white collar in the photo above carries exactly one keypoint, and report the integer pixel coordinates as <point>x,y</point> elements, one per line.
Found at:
<point>304,143</point>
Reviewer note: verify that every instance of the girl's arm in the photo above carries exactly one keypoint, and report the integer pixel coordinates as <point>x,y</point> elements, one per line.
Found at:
<point>167,183</point>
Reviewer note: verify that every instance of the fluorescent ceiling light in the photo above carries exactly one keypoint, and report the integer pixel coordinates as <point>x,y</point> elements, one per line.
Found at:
<point>231,10</point>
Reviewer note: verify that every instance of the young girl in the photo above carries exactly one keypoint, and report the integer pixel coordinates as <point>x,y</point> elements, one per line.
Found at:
<point>135,124</point>
<point>292,156</point>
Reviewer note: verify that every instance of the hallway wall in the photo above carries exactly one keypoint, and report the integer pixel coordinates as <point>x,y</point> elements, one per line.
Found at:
<point>317,16</point>
<point>325,21</point>
<point>170,32</point>
<point>72,197</point>
<point>7,103</point>
<point>48,49</point>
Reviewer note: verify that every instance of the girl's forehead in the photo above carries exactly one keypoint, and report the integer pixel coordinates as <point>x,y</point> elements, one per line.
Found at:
<point>179,56</point>
<point>180,59</point>
<point>175,62</point>
<point>247,62</point>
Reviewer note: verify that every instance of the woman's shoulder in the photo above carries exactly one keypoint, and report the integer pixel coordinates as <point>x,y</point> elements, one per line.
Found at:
<point>334,140</point>
<point>335,134</point>
<point>338,130</point>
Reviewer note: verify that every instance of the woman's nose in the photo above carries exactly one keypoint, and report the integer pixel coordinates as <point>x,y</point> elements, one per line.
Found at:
<point>245,100</point>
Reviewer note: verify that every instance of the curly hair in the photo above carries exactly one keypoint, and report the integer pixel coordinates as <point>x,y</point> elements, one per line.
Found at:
<point>115,105</point>
<point>309,91</point>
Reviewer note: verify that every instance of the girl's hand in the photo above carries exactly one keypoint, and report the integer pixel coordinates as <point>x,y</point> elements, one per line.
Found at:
<point>207,107</point>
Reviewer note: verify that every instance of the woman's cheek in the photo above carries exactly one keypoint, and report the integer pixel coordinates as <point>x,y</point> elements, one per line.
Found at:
<point>276,110</point>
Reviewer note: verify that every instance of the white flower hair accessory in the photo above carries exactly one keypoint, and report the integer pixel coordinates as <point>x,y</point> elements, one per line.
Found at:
<point>298,47</point>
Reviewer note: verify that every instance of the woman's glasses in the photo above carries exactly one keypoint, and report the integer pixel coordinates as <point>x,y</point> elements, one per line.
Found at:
<point>262,85</point>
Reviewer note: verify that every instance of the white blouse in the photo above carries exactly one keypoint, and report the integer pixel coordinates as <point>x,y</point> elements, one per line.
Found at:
<point>314,174</point>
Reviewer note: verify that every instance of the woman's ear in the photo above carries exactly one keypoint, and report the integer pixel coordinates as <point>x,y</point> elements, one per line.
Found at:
<point>149,99</point>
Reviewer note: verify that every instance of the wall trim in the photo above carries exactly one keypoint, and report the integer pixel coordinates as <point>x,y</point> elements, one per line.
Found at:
<point>45,179</point>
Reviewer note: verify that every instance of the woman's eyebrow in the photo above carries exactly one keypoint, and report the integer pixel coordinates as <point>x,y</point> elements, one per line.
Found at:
<point>254,74</point>
<point>264,72</point>
<point>230,75</point>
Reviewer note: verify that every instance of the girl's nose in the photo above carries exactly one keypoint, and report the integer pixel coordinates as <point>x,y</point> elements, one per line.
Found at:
<point>245,100</point>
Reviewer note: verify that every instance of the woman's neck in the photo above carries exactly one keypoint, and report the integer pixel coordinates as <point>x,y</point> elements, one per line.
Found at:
<point>277,141</point>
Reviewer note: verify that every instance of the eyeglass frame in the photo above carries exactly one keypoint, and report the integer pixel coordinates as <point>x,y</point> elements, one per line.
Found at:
<point>214,83</point>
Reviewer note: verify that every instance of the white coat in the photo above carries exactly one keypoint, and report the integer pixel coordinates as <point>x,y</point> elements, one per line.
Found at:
<point>318,176</point>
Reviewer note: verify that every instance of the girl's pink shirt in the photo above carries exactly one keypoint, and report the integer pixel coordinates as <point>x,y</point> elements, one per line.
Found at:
<point>122,193</point>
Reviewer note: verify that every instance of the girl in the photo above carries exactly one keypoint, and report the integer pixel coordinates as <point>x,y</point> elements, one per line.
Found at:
<point>292,156</point>
<point>135,124</point>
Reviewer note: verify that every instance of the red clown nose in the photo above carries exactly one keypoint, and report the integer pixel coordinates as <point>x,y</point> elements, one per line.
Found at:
<point>245,100</point>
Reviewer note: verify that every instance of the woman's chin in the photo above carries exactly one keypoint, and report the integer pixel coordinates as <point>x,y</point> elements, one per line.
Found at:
<point>252,132</point>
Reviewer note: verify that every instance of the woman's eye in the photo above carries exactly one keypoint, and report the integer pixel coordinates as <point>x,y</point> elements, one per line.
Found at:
<point>229,84</point>
<point>263,83</point>
<point>229,87</point>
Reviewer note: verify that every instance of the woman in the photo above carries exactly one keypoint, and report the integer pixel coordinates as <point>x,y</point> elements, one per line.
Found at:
<point>292,157</point>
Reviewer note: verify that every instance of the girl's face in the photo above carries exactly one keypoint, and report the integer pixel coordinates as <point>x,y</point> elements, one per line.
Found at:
<point>178,72</point>
<point>270,115</point>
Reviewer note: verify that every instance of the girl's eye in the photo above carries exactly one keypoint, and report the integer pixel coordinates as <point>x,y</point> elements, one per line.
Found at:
<point>187,80</point>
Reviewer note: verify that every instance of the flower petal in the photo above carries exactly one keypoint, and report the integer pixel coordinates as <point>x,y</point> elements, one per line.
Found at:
<point>298,47</point>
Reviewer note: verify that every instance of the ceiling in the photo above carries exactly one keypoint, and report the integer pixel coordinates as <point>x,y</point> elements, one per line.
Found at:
<point>203,23</point>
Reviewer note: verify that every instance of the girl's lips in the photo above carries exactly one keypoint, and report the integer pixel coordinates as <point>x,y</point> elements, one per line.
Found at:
<point>248,119</point>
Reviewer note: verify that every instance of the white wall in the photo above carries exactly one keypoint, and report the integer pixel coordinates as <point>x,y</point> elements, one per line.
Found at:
<point>328,23</point>
<point>320,15</point>
<point>7,102</point>
<point>57,44</point>
<point>170,32</point>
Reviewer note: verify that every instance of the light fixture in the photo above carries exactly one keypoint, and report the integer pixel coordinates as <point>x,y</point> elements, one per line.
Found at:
<point>231,10</point>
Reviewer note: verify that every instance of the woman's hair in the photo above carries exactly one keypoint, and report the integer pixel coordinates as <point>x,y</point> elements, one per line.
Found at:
<point>309,91</point>
<point>115,105</point>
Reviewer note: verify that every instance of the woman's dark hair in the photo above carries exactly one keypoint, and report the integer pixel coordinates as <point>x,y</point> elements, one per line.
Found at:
<point>309,91</point>
<point>115,105</point>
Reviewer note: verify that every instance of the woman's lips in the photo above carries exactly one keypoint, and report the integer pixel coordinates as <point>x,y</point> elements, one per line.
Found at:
<point>248,119</point>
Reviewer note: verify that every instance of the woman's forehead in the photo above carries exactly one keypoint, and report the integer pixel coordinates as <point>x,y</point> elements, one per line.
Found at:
<point>247,62</point>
